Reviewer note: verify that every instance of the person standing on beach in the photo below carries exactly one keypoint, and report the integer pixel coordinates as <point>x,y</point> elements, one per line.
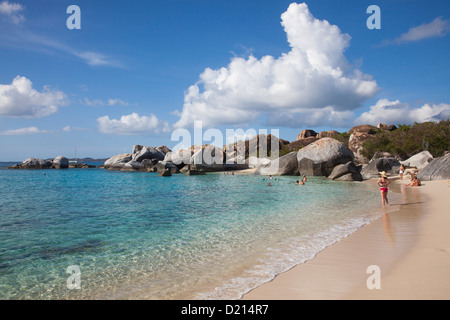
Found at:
<point>383,183</point>
<point>401,171</point>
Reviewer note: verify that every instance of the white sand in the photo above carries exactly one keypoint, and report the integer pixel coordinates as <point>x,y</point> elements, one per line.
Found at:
<point>410,245</point>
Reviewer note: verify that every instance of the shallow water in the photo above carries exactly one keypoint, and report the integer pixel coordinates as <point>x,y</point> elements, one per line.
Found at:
<point>139,236</point>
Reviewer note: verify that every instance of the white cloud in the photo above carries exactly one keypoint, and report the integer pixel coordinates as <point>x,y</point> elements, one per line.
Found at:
<point>19,99</point>
<point>70,128</point>
<point>395,112</point>
<point>132,124</point>
<point>434,29</point>
<point>96,58</point>
<point>109,102</point>
<point>312,77</point>
<point>23,131</point>
<point>113,102</point>
<point>12,11</point>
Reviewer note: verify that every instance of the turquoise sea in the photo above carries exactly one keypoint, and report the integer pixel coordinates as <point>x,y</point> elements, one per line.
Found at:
<point>140,236</point>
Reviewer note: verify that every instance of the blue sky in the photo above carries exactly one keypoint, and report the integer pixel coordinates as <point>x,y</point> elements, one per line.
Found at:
<point>137,70</point>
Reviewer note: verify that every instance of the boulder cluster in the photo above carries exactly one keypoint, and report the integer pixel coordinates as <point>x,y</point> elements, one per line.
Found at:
<point>312,154</point>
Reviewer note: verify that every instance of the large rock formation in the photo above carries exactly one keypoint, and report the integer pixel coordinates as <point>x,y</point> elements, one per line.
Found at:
<point>141,153</point>
<point>438,169</point>
<point>286,165</point>
<point>60,162</point>
<point>208,158</point>
<point>33,163</point>
<point>298,144</point>
<point>117,162</point>
<point>180,158</point>
<point>327,134</point>
<point>163,166</point>
<point>254,162</point>
<point>307,133</point>
<point>388,164</point>
<point>143,158</point>
<point>260,145</point>
<point>355,144</point>
<point>346,172</point>
<point>133,166</point>
<point>361,134</point>
<point>364,128</point>
<point>166,173</point>
<point>420,160</point>
<point>386,127</point>
<point>320,157</point>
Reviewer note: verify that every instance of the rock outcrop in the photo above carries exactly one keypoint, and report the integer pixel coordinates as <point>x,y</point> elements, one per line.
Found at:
<point>195,173</point>
<point>117,162</point>
<point>286,165</point>
<point>327,134</point>
<point>420,160</point>
<point>166,173</point>
<point>141,153</point>
<point>364,128</point>
<point>386,127</point>
<point>362,133</point>
<point>320,157</point>
<point>163,166</point>
<point>355,144</point>
<point>346,172</point>
<point>260,146</point>
<point>60,162</point>
<point>143,158</point>
<point>254,162</point>
<point>33,163</point>
<point>208,158</point>
<point>438,169</point>
<point>298,144</point>
<point>307,133</point>
<point>133,166</point>
<point>388,164</point>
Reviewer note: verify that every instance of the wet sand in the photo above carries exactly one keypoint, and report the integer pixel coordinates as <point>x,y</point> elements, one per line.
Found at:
<point>410,244</point>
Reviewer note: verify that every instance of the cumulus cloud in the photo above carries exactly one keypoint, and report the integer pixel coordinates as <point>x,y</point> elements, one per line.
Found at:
<point>436,28</point>
<point>386,111</point>
<point>22,131</point>
<point>312,78</point>
<point>13,11</point>
<point>132,124</point>
<point>19,99</point>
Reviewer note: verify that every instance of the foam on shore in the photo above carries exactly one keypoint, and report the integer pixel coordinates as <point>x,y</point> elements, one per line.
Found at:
<point>411,247</point>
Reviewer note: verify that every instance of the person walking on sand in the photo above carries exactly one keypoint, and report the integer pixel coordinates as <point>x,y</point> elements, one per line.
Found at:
<point>383,183</point>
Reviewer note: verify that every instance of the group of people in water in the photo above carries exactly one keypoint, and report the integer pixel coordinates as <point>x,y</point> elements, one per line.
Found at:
<point>298,182</point>
<point>384,182</point>
<point>301,182</point>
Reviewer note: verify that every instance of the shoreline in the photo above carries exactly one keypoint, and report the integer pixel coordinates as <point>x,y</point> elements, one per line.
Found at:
<point>411,247</point>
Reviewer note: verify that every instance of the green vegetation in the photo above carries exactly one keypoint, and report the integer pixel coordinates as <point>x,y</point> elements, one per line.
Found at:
<point>409,140</point>
<point>343,137</point>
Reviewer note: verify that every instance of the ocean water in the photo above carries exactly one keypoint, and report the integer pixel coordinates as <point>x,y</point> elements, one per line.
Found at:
<point>140,236</point>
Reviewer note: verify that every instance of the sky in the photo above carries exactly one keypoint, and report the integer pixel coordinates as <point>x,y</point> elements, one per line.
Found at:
<point>135,72</point>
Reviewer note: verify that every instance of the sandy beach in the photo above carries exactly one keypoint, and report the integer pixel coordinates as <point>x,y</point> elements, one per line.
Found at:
<point>409,244</point>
